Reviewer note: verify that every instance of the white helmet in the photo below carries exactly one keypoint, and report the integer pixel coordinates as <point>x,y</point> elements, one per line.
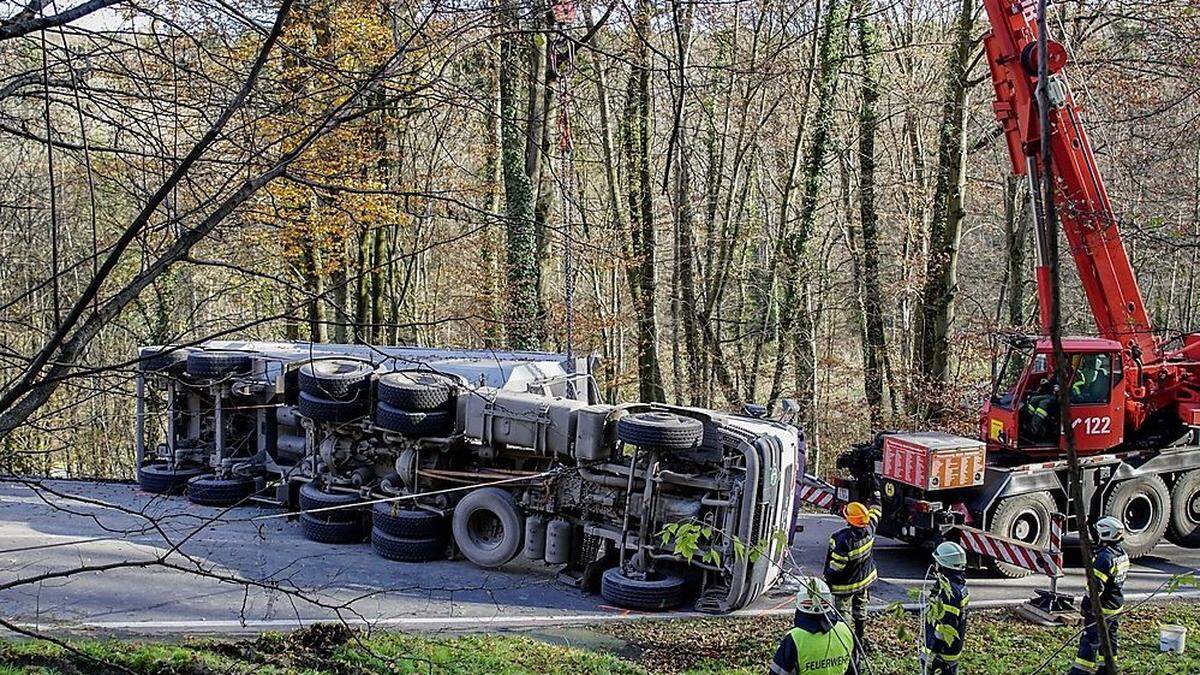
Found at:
<point>950,555</point>
<point>1110,529</point>
<point>814,596</point>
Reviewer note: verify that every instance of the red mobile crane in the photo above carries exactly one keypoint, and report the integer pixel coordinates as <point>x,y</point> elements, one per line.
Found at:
<point>1135,396</point>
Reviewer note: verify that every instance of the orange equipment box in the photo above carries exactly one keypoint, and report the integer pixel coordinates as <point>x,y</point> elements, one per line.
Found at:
<point>933,460</point>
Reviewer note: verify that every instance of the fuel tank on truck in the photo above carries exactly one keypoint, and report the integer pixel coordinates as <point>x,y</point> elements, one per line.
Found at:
<point>499,417</point>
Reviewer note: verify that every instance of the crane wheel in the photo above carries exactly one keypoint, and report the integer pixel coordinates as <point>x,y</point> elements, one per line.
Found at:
<point>1143,504</point>
<point>1025,518</point>
<point>1184,526</point>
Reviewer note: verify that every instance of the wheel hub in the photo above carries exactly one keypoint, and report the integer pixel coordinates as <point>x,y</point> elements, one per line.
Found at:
<point>1027,527</point>
<point>485,529</point>
<point>1138,514</point>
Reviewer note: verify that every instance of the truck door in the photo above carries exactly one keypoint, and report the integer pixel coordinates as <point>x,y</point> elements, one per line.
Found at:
<point>1097,401</point>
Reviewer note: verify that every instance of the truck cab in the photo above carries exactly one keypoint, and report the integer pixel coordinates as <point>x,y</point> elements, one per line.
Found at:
<point>1022,415</point>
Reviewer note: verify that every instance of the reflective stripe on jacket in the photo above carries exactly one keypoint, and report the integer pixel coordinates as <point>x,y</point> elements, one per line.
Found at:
<point>946,616</point>
<point>1110,566</point>
<point>850,561</point>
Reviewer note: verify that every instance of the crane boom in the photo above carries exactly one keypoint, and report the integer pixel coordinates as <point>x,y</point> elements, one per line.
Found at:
<point>1084,211</point>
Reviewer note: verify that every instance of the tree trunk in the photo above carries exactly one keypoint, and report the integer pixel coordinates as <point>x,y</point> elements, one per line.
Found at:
<point>875,349</point>
<point>643,267</point>
<point>490,248</point>
<point>795,321</point>
<point>522,313</point>
<point>936,318</point>
<point>1016,229</point>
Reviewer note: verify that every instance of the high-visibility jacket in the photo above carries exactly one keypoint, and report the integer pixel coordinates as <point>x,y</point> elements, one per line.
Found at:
<point>1110,565</point>
<point>817,646</point>
<point>946,614</point>
<point>850,561</point>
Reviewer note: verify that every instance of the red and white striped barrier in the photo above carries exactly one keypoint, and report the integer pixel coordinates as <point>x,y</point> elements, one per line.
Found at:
<point>1046,561</point>
<point>817,492</point>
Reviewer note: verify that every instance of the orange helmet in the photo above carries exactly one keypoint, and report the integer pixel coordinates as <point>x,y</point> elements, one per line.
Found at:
<point>857,514</point>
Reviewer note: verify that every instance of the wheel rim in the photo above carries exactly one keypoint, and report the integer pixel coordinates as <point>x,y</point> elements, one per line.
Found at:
<point>1138,514</point>
<point>1026,527</point>
<point>485,529</point>
<point>1193,508</point>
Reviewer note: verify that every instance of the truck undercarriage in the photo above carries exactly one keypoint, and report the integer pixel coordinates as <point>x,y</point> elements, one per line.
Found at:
<point>480,455</point>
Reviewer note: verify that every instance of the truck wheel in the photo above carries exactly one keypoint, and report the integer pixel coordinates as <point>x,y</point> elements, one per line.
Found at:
<point>336,379</point>
<point>163,479</point>
<point>166,357</point>
<point>406,523</point>
<point>1025,518</point>
<point>427,423</point>
<point>320,409</point>
<point>217,363</point>
<point>488,528</point>
<point>654,593</point>
<point>392,547</point>
<point>1142,504</point>
<point>1184,528</point>
<point>316,528</point>
<point>660,430</point>
<point>414,390</point>
<point>311,498</point>
<point>208,490</point>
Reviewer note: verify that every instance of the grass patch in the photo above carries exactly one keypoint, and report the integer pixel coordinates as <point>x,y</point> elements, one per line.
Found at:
<point>997,644</point>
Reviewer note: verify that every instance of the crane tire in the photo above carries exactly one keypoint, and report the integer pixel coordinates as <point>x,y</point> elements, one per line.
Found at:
<point>488,527</point>
<point>217,363</point>
<point>1142,504</point>
<point>415,391</point>
<point>336,379</point>
<point>655,593</point>
<point>663,430</point>
<point>1025,518</point>
<point>403,549</point>
<point>1184,528</point>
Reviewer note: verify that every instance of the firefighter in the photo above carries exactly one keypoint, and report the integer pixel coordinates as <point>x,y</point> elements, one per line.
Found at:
<point>820,643</point>
<point>1041,407</point>
<point>946,612</point>
<point>850,565</point>
<point>1110,564</point>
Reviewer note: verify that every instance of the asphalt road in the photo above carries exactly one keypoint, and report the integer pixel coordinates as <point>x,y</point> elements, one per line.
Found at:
<point>95,570</point>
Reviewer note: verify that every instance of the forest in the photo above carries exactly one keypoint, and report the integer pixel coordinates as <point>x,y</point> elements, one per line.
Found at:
<point>724,202</point>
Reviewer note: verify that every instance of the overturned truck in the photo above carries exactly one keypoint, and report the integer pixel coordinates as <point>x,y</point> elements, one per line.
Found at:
<point>481,455</point>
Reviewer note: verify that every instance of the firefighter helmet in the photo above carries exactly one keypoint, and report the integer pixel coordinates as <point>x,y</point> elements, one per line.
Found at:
<point>1110,529</point>
<point>857,514</point>
<point>950,555</point>
<point>814,596</point>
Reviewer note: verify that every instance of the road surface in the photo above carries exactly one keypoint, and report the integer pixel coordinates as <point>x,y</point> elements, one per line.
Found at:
<point>114,532</point>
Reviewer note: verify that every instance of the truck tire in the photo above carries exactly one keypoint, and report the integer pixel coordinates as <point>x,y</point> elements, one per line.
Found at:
<point>312,498</point>
<point>320,409</point>
<point>1025,518</point>
<point>208,490</point>
<point>336,379</point>
<point>415,390</point>
<point>1184,527</point>
<point>664,430</point>
<point>163,479</point>
<point>1143,504</point>
<point>654,593</point>
<point>402,549</point>
<point>316,528</point>
<point>217,363</point>
<point>488,528</point>
<point>426,423</point>
<point>406,523</point>
<point>166,357</point>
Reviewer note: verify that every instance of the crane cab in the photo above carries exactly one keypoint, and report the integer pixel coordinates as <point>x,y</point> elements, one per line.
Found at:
<point>1022,416</point>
